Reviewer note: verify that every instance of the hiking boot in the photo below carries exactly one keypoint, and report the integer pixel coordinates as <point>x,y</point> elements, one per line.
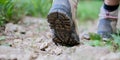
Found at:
<point>107,23</point>
<point>60,19</point>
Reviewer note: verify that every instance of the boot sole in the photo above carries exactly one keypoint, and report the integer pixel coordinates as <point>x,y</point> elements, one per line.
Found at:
<point>62,27</point>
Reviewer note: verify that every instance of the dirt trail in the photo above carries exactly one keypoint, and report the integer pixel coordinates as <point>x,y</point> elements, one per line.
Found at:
<point>30,39</point>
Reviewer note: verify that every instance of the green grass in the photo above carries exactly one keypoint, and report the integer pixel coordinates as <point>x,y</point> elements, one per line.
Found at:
<point>14,10</point>
<point>6,11</point>
<point>88,10</point>
<point>37,8</point>
<point>113,44</point>
<point>116,41</point>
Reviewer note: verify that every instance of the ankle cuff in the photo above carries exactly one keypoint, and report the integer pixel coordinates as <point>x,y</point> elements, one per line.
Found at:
<point>111,8</point>
<point>106,14</point>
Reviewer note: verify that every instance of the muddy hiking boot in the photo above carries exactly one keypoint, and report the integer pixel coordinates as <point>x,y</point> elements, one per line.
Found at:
<point>60,19</point>
<point>107,24</point>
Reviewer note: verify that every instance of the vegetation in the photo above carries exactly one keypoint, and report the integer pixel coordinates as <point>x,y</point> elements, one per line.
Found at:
<point>88,10</point>
<point>116,41</point>
<point>6,10</point>
<point>113,44</point>
<point>14,10</point>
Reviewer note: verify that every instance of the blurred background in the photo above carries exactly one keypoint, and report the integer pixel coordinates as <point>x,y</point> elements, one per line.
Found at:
<point>25,27</point>
<point>15,10</point>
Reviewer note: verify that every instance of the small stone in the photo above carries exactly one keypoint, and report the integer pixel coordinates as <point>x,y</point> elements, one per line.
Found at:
<point>38,40</point>
<point>29,33</point>
<point>10,27</point>
<point>44,46</point>
<point>17,40</point>
<point>58,51</point>
<point>85,36</point>
<point>49,34</point>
